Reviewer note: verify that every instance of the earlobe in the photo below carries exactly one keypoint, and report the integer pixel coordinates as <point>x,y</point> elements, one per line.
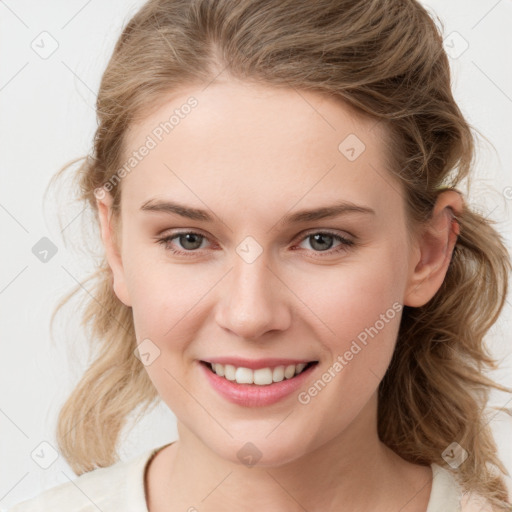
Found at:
<point>112,250</point>
<point>430,260</point>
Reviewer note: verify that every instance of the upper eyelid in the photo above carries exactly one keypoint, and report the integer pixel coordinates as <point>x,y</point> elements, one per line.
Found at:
<point>299,237</point>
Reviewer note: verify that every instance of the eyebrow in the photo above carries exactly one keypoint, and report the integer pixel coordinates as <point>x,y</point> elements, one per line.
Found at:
<point>306,215</point>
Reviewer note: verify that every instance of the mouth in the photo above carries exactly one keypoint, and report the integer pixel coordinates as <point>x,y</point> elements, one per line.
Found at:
<point>264,376</point>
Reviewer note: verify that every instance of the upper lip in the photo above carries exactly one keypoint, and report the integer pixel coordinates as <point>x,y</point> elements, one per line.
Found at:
<point>255,364</point>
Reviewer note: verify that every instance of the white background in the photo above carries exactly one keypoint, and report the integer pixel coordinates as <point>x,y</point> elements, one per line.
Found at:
<point>47,118</point>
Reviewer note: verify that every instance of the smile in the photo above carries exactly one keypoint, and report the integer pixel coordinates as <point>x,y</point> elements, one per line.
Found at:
<point>261,376</point>
<point>268,382</point>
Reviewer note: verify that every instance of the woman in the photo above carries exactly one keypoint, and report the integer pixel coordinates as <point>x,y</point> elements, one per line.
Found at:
<point>235,140</point>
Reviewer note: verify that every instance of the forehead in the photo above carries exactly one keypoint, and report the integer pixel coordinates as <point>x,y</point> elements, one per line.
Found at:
<point>276,145</point>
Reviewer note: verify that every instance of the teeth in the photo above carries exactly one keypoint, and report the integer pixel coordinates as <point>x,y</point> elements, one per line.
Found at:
<point>278,374</point>
<point>300,367</point>
<point>244,376</point>
<point>219,369</point>
<point>229,371</point>
<point>289,371</point>
<point>260,377</point>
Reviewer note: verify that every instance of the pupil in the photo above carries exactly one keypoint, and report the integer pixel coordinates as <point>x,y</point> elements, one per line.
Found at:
<point>321,237</point>
<point>186,237</point>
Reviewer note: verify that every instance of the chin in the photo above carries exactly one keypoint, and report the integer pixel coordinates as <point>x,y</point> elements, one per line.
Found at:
<point>260,450</point>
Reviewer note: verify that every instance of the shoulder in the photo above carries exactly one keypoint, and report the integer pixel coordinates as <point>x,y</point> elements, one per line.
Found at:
<point>475,503</point>
<point>87,492</point>
<point>447,492</point>
<point>83,493</point>
<point>106,489</point>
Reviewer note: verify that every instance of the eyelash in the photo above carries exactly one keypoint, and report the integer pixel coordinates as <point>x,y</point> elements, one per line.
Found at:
<point>344,246</point>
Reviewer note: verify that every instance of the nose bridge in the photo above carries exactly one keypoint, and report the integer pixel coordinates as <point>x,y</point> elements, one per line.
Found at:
<point>254,302</point>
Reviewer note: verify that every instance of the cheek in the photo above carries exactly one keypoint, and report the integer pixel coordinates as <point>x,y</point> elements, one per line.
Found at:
<point>353,297</point>
<point>165,300</point>
<point>359,311</point>
<point>161,292</point>
<point>165,307</point>
<point>365,318</point>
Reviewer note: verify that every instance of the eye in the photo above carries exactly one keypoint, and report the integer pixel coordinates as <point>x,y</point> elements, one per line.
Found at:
<point>322,242</point>
<point>191,241</point>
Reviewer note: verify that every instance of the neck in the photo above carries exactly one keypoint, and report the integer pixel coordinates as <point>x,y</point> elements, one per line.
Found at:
<point>353,471</point>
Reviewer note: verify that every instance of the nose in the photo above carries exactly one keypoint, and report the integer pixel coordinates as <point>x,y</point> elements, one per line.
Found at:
<point>254,301</point>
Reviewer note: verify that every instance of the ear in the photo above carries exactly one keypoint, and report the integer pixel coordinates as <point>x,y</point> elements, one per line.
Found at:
<point>433,250</point>
<point>112,247</point>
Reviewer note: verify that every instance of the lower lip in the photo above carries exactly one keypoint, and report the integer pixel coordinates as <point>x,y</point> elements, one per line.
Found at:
<point>252,395</point>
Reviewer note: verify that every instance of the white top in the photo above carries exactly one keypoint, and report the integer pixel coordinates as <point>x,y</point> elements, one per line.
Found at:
<point>120,487</point>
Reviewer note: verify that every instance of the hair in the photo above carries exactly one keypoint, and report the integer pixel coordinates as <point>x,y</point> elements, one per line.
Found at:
<point>385,60</point>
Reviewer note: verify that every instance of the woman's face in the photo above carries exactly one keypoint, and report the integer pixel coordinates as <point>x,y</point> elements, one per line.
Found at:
<point>261,284</point>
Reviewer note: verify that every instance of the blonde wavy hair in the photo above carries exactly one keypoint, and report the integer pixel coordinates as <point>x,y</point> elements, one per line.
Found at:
<point>385,59</point>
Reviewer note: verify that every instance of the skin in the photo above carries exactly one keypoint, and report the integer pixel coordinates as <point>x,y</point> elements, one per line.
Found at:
<point>249,154</point>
